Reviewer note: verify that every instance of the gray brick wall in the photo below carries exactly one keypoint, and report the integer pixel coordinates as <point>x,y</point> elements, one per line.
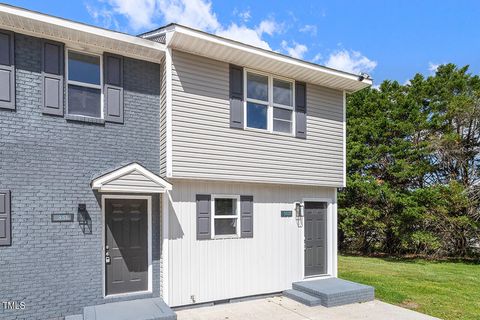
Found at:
<point>48,162</point>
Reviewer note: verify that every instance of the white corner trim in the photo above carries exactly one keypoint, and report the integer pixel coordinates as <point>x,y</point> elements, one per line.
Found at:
<point>335,235</point>
<point>344,129</point>
<point>101,183</point>
<point>149,244</point>
<point>166,197</point>
<point>168,111</point>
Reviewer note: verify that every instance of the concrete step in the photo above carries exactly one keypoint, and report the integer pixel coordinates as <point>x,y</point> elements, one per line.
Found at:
<point>336,292</point>
<point>141,309</point>
<point>302,297</point>
<point>74,317</point>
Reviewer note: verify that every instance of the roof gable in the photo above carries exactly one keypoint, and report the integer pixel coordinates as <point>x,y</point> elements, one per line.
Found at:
<point>131,178</point>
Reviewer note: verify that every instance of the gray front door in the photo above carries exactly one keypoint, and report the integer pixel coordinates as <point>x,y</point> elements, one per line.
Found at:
<point>315,238</point>
<point>126,252</point>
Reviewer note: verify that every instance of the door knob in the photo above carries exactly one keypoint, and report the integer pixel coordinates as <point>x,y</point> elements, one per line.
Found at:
<point>107,256</point>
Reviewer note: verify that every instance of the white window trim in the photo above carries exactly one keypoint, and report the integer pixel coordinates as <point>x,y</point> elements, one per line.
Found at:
<point>84,84</point>
<point>270,104</point>
<point>237,216</point>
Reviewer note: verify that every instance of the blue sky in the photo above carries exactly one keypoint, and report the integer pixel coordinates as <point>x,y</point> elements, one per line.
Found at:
<point>387,39</point>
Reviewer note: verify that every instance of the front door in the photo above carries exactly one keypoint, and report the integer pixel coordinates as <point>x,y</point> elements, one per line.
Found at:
<point>315,238</point>
<point>126,252</point>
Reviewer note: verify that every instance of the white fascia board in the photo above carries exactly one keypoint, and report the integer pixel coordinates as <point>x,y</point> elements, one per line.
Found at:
<point>129,190</point>
<point>178,29</point>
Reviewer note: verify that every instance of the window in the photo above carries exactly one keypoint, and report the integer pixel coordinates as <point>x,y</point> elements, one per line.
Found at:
<point>226,214</point>
<point>282,106</point>
<point>84,90</point>
<point>269,103</point>
<point>257,101</point>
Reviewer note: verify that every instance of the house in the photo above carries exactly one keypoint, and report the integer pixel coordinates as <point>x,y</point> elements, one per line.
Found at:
<point>176,164</point>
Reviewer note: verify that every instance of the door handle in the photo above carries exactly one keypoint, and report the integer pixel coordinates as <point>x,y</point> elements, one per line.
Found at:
<point>107,256</point>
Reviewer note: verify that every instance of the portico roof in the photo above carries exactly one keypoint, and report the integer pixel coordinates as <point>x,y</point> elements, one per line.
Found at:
<point>131,178</point>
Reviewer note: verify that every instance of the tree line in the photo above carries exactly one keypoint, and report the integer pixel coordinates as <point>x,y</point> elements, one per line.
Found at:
<point>413,179</point>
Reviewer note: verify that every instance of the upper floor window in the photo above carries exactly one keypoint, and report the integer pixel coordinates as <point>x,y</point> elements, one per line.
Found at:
<point>269,103</point>
<point>84,80</point>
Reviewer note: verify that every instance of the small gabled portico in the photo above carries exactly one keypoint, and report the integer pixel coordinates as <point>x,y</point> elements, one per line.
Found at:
<point>126,201</point>
<point>132,178</point>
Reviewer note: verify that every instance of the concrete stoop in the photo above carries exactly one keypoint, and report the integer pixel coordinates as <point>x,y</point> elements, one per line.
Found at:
<point>141,309</point>
<point>330,292</point>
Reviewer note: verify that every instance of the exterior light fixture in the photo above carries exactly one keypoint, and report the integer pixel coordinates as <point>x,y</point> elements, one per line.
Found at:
<point>299,209</point>
<point>84,219</point>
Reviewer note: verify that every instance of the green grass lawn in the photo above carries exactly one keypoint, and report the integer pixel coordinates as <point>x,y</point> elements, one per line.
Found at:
<point>448,290</point>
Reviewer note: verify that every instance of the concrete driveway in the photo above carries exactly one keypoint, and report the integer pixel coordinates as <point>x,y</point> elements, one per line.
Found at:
<point>282,308</point>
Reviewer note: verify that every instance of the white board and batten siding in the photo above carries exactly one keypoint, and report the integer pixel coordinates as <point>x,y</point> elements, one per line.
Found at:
<point>211,270</point>
<point>205,147</point>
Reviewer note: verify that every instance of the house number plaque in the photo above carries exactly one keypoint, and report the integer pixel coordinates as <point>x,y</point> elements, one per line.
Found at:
<point>62,217</point>
<point>286,213</point>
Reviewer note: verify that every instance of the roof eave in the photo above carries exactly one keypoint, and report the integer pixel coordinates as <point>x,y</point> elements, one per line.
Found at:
<point>186,39</point>
<point>78,34</point>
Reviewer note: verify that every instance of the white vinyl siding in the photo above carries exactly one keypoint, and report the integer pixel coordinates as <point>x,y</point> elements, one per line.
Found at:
<point>205,147</point>
<point>217,269</point>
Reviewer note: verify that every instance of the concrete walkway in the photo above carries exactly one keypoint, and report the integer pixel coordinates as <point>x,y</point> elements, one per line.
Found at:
<point>282,308</point>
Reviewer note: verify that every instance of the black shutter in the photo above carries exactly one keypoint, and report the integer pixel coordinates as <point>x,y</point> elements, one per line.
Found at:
<point>5,218</point>
<point>246,214</point>
<point>7,70</point>
<point>203,216</point>
<point>52,77</point>
<point>113,88</point>
<point>301,110</point>
<point>236,97</point>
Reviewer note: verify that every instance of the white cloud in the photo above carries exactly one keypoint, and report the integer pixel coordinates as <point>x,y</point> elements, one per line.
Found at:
<point>103,16</point>
<point>317,58</point>
<point>269,26</point>
<point>432,67</point>
<point>197,14</point>
<point>296,51</point>
<point>141,14</point>
<point>138,13</point>
<point>350,61</point>
<point>252,36</point>
<point>309,28</point>
<point>244,34</point>
<point>244,15</point>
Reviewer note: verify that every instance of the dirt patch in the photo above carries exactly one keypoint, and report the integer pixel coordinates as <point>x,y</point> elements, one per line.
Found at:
<point>409,304</point>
